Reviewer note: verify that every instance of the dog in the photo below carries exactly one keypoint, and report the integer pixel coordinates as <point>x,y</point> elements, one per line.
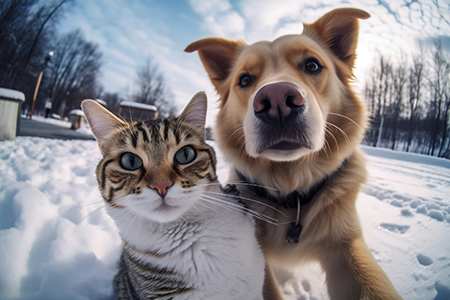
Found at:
<point>290,124</point>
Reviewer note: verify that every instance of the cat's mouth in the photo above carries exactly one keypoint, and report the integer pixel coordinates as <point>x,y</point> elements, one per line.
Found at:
<point>165,205</point>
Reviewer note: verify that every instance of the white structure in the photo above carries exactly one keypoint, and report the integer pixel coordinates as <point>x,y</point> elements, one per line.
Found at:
<point>129,106</point>
<point>10,102</point>
<point>77,119</point>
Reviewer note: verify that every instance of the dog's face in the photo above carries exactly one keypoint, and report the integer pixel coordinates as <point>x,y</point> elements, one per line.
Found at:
<point>282,89</point>
<point>282,100</point>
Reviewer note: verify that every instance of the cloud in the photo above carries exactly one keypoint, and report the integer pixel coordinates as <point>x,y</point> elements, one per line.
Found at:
<point>219,17</point>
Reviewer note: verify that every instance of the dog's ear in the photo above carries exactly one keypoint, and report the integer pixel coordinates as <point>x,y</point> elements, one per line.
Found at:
<point>218,56</point>
<point>338,29</point>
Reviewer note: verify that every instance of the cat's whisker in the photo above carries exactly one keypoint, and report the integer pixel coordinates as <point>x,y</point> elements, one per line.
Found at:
<point>198,210</point>
<point>141,218</point>
<point>85,239</point>
<point>129,225</point>
<point>204,204</point>
<point>251,200</point>
<point>254,214</point>
<point>74,234</point>
<point>91,204</point>
<point>239,208</point>
<point>240,183</point>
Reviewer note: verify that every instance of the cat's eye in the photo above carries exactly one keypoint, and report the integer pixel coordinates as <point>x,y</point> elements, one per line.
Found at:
<point>130,161</point>
<point>185,155</point>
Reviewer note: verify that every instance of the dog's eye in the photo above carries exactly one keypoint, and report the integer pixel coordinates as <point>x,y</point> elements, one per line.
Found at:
<point>245,80</point>
<point>312,66</point>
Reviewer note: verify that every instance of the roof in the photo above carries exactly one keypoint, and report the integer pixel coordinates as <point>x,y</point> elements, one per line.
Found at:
<point>102,102</point>
<point>138,105</point>
<point>12,94</point>
<point>77,112</point>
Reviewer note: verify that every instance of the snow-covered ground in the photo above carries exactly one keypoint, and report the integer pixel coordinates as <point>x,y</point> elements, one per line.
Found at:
<point>56,241</point>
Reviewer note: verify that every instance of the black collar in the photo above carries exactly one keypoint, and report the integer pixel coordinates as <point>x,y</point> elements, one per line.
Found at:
<point>294,199</point>
<point>288,201</point>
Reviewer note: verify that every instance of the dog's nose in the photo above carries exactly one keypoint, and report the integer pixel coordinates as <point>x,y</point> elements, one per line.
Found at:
<point>278,103</point>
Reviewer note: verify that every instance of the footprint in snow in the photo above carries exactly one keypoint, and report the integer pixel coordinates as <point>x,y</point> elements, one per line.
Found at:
<point>395,227</point>
<point>424,260</point>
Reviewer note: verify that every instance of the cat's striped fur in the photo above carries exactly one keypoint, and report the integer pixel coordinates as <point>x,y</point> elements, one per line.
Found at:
<point>183,238</point>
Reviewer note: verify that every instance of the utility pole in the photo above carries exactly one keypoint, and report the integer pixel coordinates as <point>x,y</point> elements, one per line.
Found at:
<point>38,84</point>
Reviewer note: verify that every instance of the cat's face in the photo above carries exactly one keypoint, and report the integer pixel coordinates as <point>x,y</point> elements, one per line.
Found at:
<point>155,169</point>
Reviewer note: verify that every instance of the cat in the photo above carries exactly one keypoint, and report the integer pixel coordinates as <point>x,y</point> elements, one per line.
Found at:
<point>183,236</point>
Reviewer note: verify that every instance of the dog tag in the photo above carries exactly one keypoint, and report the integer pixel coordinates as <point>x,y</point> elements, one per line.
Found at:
<point>293,235</point>
<point>230,189</point>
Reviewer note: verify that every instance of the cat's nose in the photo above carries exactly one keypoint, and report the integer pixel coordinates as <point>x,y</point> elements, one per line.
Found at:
<point>161,187</point>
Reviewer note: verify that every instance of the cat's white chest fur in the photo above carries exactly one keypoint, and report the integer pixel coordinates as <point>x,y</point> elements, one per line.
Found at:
<point>212,248</point>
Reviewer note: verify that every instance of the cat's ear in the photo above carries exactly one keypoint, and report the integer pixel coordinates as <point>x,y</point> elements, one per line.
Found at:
<point>195,112</point>
<point>101,121</point>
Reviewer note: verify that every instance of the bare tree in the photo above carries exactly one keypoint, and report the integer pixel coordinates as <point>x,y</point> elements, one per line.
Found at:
<point>27,28</point>
<point>439,84</point>
<point>380,85</point>
<point>113,101</point>
<point>411,105</point>
<point>415,82</point>
<point>152,89</point>
<point>399,79</point>
<point>74,71</point>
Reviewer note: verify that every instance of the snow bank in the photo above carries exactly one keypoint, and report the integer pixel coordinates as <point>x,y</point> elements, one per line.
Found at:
<point>57,242</point>
<point>12,94</point>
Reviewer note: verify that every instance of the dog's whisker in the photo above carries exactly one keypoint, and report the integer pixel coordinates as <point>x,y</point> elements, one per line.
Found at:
<point>326,149</point>
<point>347,139</point>
<point>348,118</point>
<point>330,132</point>
<point>239,127</point>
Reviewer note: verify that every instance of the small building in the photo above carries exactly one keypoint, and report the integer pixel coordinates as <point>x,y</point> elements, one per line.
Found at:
<point>135,111</point>
<point>10,103</point>
<point>77,119</point>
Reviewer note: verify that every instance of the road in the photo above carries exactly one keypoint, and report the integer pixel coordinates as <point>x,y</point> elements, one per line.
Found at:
<point>46,130</point>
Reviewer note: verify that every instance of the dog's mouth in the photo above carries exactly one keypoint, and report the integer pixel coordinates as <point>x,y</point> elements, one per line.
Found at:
<point>286,145</point>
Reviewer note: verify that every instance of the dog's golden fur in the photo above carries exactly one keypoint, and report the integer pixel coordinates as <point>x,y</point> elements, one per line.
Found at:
<point>333,122</point>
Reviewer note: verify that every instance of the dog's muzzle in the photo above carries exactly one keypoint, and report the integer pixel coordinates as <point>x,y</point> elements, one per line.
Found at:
<point>278,108</point>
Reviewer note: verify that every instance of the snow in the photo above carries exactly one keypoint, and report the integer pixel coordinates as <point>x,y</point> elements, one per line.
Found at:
<point>11,94</point>
<point>56,241</point>
<point>76,112</point>
<point>61,123</point>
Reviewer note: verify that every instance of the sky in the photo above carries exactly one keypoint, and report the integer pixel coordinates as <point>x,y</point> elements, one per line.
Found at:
<point>129,32</point>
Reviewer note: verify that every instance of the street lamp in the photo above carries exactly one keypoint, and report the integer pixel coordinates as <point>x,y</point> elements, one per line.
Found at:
<point>47,59</point>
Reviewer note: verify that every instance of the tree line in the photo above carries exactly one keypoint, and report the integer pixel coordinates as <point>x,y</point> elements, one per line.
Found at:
<point>409,102</point>
<point>28,37</point>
